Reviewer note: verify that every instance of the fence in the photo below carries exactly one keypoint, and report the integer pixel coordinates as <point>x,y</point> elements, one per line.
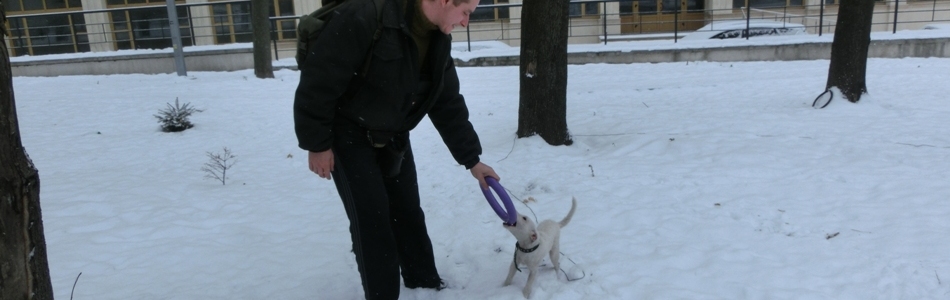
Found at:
<point>591,21</point>
<point>888,15</point>
<point>615,23</point>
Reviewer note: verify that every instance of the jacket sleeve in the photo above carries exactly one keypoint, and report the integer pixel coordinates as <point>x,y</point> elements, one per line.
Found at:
<point>449,115</point>
<point>337,54</point>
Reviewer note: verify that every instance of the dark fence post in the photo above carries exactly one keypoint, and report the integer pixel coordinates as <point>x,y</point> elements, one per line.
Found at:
<point>821,18</point>
<point>748,18</point>
<point>897,4</point>
<point>605,22</point>
<point>676,21</point>
<point>191,27</point>
<point>274,36</point>
<point>933,12</point>
<point>468,38</point>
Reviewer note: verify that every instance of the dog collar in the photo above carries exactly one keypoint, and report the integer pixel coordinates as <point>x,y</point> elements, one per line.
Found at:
<point>523,250</point>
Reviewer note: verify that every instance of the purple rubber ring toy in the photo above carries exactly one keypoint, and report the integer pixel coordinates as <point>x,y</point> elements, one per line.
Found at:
<point>508,214</point>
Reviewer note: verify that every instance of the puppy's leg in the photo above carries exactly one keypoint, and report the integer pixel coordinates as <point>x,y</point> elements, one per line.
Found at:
<point>511,273</point>
<point>555,254</point>
<point>532,273</point>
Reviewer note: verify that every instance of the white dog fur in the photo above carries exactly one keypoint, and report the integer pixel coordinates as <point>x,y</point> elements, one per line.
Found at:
<point>533,242</point>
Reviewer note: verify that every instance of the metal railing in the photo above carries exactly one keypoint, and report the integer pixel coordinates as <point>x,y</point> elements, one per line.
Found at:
<point>226,22</point>
<point>889,15</point>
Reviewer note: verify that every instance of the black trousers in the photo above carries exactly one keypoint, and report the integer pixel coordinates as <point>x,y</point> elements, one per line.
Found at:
<point>387,224</point>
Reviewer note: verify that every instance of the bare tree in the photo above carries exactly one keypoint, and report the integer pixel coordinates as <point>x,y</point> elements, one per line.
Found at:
<point>849,49</point>
<point>24,269</point>
<point>218,165</point>
<point>260,24</point>
<point>543,73</point>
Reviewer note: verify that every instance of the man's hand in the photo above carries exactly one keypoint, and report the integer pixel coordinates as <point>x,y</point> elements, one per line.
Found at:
<point>322,163</point>
<point>480,171</point>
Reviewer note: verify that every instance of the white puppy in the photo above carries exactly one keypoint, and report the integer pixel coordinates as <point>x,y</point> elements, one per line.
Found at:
<point>533,242</point>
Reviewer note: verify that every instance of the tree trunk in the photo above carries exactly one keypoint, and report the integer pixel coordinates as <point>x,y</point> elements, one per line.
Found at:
<point>260,24</point>
<point>849,50</point>
<point>24,270</point>
<point>543,73</point>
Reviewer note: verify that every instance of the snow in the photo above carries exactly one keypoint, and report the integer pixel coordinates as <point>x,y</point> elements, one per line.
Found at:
<point>694,180</point>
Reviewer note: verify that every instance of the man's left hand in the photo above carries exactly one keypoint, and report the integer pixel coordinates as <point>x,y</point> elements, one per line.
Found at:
<point>480,171</point>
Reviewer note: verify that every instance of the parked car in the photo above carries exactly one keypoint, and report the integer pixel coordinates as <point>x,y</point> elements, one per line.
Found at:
<point>737,29</point>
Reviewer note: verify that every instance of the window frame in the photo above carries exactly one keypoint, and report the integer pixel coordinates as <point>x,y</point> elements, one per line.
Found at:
<point>44,7</point>
<point>498,14</point>
<point>230,24</point>
<point>22,44</point>
<point>279,32</point>
<point>583,7</point>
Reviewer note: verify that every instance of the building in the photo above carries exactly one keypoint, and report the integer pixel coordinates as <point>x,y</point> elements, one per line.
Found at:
<point>39,27</point>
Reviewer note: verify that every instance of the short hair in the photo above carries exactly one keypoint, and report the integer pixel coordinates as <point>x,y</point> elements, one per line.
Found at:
<point>460,2</point>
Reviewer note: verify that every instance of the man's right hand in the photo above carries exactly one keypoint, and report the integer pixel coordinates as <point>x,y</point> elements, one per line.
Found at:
<point>321,163</point>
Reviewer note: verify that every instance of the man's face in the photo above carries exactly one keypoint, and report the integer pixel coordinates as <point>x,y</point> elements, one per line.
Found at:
<point>453,16</point>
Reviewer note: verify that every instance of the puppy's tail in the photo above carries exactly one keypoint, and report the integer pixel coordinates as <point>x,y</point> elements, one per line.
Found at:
<point>570,214</point>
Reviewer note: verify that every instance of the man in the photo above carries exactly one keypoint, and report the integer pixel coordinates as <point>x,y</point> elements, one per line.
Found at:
<point>357,100</point>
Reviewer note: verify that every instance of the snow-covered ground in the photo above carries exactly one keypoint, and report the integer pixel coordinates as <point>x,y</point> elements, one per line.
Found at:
<point>694,180</point>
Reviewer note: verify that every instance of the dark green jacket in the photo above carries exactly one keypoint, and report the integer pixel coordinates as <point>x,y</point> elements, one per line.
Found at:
<point>383,101</point>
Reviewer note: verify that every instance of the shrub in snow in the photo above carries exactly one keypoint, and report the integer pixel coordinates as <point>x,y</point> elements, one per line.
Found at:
<point>175,118</point>
<point>218,165</point>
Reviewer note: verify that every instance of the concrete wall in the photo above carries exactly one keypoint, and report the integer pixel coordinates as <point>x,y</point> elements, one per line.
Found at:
<point>154,63</point>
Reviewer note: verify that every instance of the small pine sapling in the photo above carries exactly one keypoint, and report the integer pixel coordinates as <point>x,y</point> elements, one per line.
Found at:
<point>218,165</point>
<point>175,118</point>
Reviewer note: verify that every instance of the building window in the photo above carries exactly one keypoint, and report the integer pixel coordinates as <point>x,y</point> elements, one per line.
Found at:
<point>626,7</point>
<point>135,2</point>
<point>147,28</point>
<point>584,9</point>
<point>835,2</point>
<point>783,3</point>
<point>768,3</point>
<point>232,23</point>
<point>33,5</point>
<point>652,7</point>
<point>53,34</point>
<point>490,14</point>
<point>285,29</point>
